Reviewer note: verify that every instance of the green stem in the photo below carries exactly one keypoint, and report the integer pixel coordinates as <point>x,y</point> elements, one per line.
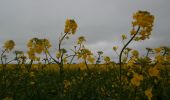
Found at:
<point>2,56</point>
<point>60,41</point>
<point>75,54</point>
<point>120,58</point>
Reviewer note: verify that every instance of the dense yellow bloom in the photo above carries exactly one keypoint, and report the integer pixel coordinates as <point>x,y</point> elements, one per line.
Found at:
<point>81,39</point>
<point>91,59</point>
<point>157,50</point>
<point>148,93</point>
<point>70,26</point>
<point>136,79</point>
<point>115,48</point>
<point>31,54</point>
<point>107,59</point>
<point>124,37</point>
<point>84,53</point>
<point>153,71</point>
<point>9,45</point>
<point>135,53</point>
<point>38,46</point>
<point>131,62</point>
<point>65,60</point>
<point>168,57</point>
<point>159,58</point>
<point>144,20</point>
<point>58,55</point>
<point>46,44</point>
<point>82,66</point>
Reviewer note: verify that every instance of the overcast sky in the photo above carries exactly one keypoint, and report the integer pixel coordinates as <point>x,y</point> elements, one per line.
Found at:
<point>101,21</point>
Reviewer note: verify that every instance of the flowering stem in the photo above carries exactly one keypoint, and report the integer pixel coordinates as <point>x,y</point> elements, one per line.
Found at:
<point>120,57</point>
<point>60,41</point>
<point>61,58</point>
<point>75,54</point>
<point>86,65</point>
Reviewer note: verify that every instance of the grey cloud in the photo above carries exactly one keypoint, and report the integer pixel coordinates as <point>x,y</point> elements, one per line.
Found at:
<point>100,21</point>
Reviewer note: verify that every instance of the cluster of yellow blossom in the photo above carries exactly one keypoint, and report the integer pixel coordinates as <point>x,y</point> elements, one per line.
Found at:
<point>9,45</point>
<point>144,20</point>
<point>38,46</point>
<point>107,59</point>
<point>124,37</point>
<point>148,93</point>
<point>136,79</point>
<point>153,71</point>
<point>115,48</point>
<point>168,58</point>
<point>86,54</point>
<point>81,39</point>
<point>91,59</point>
<point>158,50</point>
<point>131,62</point>
<point>82,66</point>
<point>135,53</point>
<point>70,26</point>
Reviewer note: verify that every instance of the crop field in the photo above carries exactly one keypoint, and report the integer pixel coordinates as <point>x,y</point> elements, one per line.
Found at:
<point>39,74</point>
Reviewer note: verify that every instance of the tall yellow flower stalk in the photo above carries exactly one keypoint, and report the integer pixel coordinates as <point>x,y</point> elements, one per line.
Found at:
<point>38,46</point>
<point>142,26</point>
<point>70,26</point>
<point>135,81</point>
<point>144,20</point>
<point>9,45</point>
<point>148,93</point>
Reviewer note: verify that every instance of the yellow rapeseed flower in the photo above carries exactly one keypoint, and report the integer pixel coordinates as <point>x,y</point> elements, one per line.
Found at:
<point>153,71</point>
<point>159,58</point>
<point>70,26</point>
<point>136,79</point>
<point>144,20</point>
<point>135,53</point>
<point>91,59</point>
<point>157,50</point>
<point>148,93</point>
<point>84,53</point>
<point>168,57</point>
<point>9,45</point>
<point>124,37</point>
<point>31,54</point>
<point>107,59</point>
<point>36,45</point>
<point>82,66</point>
<point>81,39</point>
<point>115,48</point>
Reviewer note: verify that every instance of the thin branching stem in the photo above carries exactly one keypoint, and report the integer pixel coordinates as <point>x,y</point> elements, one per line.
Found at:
<point>120,58</point>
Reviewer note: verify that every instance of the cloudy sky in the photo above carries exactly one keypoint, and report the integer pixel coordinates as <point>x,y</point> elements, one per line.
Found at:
<point>101,21</point>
